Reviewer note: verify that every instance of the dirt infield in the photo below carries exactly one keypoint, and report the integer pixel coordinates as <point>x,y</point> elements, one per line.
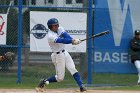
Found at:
<point>63,91</point>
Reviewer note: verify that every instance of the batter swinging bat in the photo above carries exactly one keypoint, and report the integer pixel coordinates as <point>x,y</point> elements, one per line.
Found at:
<point>97,35</point>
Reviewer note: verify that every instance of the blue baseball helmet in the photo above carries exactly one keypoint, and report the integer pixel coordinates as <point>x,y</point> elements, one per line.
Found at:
<point>52,21</point>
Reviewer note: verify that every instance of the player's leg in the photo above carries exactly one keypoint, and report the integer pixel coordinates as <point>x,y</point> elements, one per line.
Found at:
<point>59,63</point>
<point>137,64</point>
<point>71,67</point>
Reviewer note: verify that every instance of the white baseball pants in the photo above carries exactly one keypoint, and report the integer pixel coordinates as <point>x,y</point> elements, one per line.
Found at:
<point>137,64</point>
<point>61,61</point>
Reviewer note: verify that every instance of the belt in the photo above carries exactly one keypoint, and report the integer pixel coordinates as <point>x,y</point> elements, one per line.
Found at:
<point>60,51</point>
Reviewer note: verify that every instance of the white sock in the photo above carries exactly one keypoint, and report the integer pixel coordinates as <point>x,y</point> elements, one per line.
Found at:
<point>139,78</point>
<point>47,82</point>
<point>137,64</point>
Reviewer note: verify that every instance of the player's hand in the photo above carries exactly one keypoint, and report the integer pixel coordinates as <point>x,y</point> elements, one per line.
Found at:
<point>76,41</point>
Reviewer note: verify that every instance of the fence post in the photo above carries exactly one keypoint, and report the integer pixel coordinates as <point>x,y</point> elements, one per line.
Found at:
<point>89,45</point>
<point>19,40</point>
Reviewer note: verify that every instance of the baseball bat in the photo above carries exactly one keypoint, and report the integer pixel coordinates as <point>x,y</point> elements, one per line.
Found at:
<point>97,35</point>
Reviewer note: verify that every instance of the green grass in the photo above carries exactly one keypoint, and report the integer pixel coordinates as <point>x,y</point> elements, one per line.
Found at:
<point>31,76</point>
<point>136,88</point>
<point>118,79</point>
<point>33,73</point>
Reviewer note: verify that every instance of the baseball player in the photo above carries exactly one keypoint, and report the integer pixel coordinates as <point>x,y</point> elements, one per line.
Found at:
<point>57,38</point>
<point>135,52</point>
<point>7,56</point>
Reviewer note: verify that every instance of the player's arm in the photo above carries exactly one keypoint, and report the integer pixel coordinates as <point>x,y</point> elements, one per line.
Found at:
<point>63,33</point>
<point>60,40</point>
<point>66,35</point>
<point>63,40</point>
<point>67,39</point>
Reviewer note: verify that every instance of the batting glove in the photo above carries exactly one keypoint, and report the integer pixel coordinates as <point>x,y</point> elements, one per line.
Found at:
<point>76,41</point>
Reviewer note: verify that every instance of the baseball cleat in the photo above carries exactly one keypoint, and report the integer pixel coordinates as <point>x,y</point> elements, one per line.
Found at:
<point>82,89</point>
<point>38,89</point>
<point>138,83</point>
<point>42,83</point>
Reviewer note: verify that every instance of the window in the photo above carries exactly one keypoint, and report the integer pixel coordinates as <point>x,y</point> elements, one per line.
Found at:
<point>45,2</point>
<point>50,1</point>
<point>15,2</point>
<point>79,1</point>
<point>33,2</point>
<point>24,2</point>
<point>68,1</point>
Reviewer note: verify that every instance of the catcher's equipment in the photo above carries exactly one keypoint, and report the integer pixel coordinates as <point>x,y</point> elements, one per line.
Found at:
<point>9,55</point>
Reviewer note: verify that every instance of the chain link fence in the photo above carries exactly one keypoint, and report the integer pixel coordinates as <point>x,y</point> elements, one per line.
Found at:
<point>34,65</point>
<point>8,68</point>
